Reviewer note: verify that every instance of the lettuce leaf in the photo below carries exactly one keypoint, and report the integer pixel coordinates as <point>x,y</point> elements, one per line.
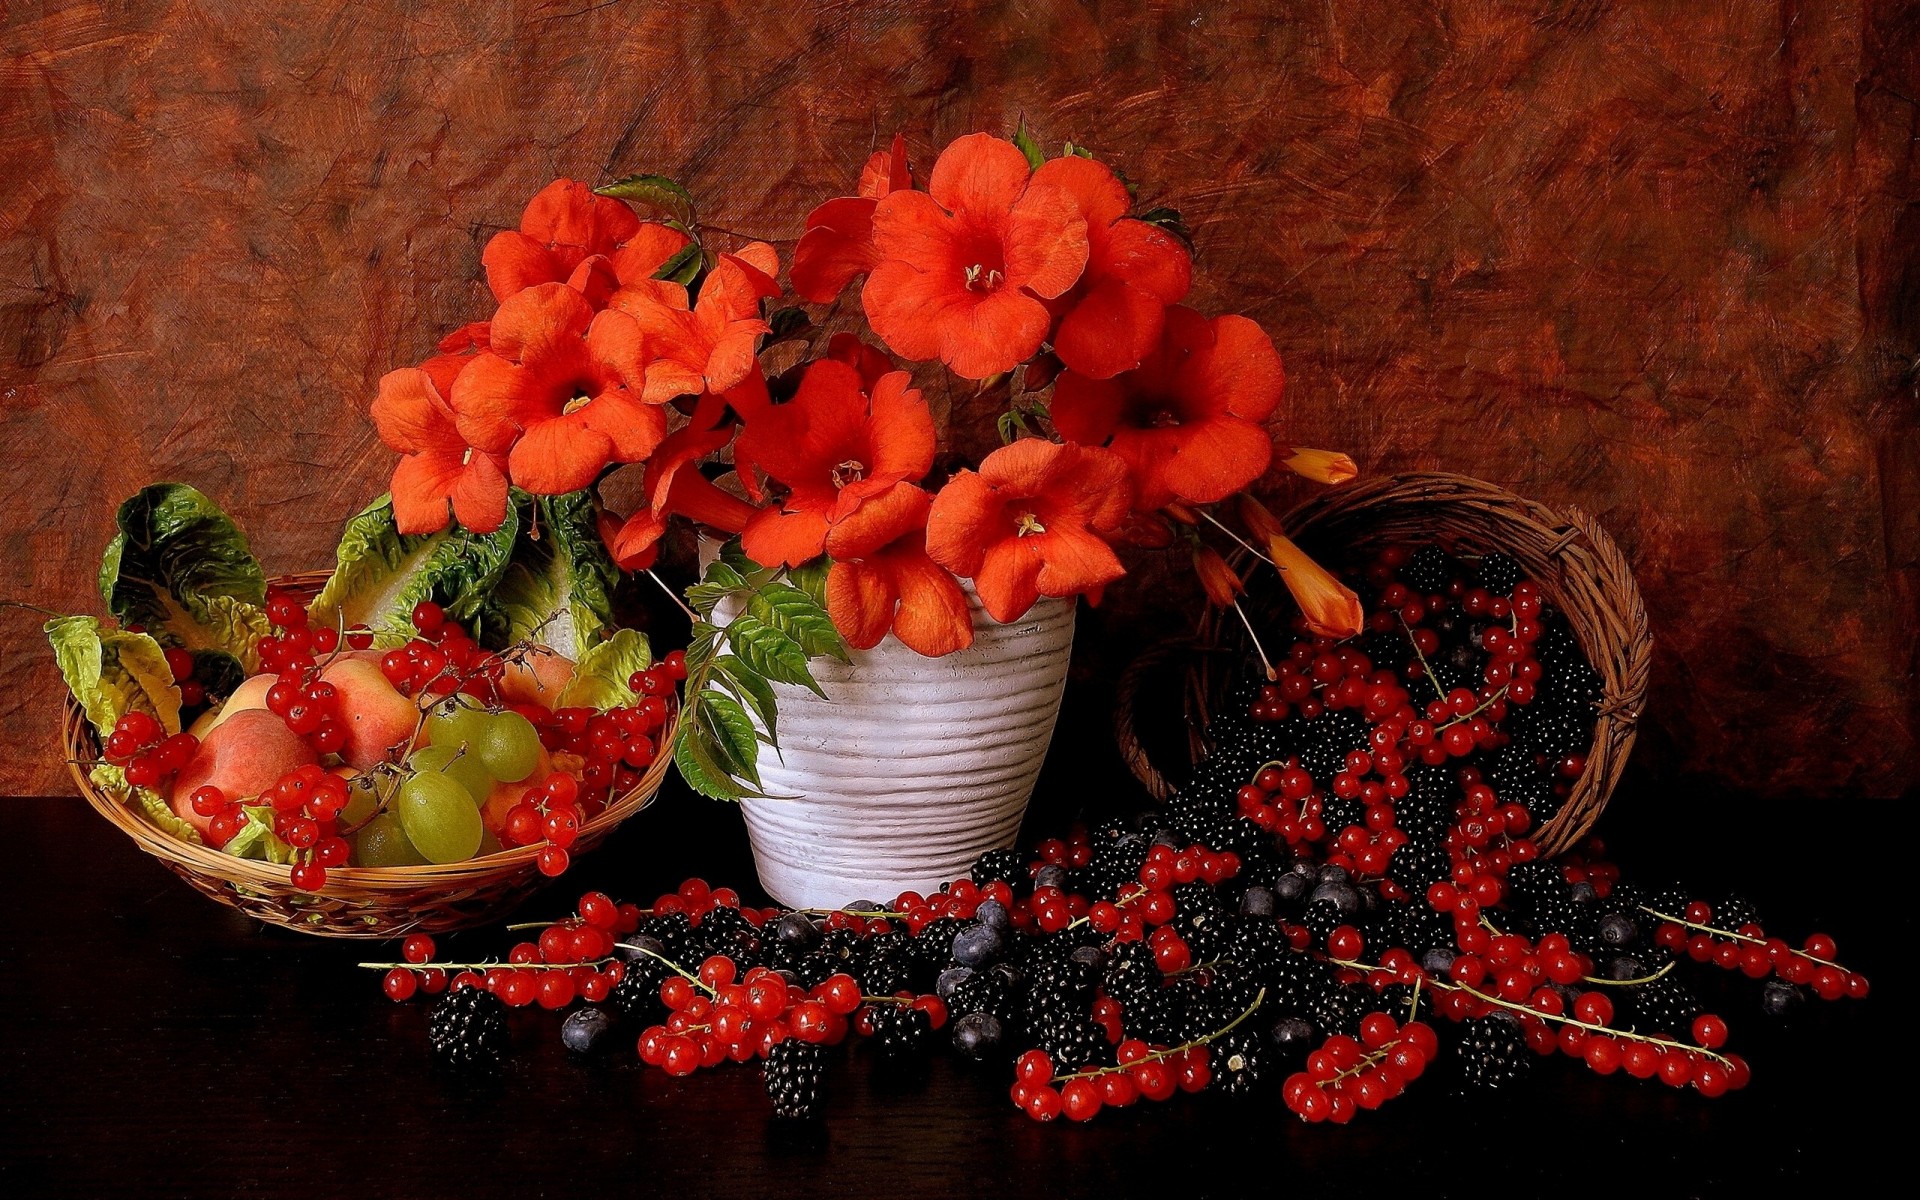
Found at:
<point>181,569</point>
<point>112,672</point>
<point>382,573</point>
<point>558,588</point>
<point>113,781</point>
<point>600,674</point>
<point>256,839</point>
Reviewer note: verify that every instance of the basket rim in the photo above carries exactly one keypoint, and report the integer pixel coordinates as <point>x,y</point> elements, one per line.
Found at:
<point>80,744</point>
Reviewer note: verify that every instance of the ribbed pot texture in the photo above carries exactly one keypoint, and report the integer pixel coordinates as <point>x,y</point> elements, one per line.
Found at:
<point>912,767</point>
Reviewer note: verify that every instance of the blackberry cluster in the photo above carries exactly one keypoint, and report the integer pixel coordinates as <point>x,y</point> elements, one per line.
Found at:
<point>794,1074</point>
<point>468,1028</point>
<point>1237,1060</point>
<point>1429,570</point>
<point>1662,1005</point>
<point>989,991</point>
<point>637,995</point>
<point>1498,573</point>
<point>1326,741</point>
<point>1058,1013</point>
<point>1553,731</point>
<point>1003,866</point>
<point>1492,1053</point>
<point>902,1032</point>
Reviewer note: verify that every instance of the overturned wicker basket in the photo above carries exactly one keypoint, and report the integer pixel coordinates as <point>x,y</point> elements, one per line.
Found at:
<point>356,902</point>
<point>1576,564</point>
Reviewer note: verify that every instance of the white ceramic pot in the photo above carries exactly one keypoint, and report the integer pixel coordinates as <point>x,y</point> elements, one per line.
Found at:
<point>912,767</point>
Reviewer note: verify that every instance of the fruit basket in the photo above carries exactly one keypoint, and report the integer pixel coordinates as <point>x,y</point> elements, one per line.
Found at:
<point>1577,566</point>
<point>354,902</point>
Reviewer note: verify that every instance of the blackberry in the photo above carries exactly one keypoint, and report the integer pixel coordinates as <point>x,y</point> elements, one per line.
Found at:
<point>1193,811</point>
<point>1417,866</point>
<point>1227,995</point>
<point>1237,1059</point>
<point>984,991</point>
<point>794,1073</point>
<point>637,995</point>
<point>1234,833</point>
<point>886,973</point>
<point>1733,912</point>
<point>1510,765</point>
<point>1002,866</point>
<point>1671,900</point>
<point>1336,814</point>
<point>1554,731</point>
<point>1557,647</point>
<point>1427,811</point>
<point>1257,946</point>
<point>1663,1005</point>
<point>1529,882</point>
<point>1156,1015</point>
<point>1205,934</point>
<point>1536,795</point>
<point>1130,972</point>
<point>1328,739</point>
<point>1429,570</point>
<point>1298,982</point>
<point>1322,918</point>
<point>1558,912</point>
<point>468,1028</point>
<point>1196,897</point>
<point>1417,928</point>
<point>674,932</point>
<point>1498,574</point>
<point>1492,1052</point>
<point>1447,676</point>
<point>1339,1010</point>
<point>1115,863</point>
<point>901,1032</point>
<point>716,929</point>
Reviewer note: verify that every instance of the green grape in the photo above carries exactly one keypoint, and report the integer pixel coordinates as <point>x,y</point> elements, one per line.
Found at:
<point>363,800</point>
<point>456,721</point>
<point>439,817</point>
<point>489,844</point>
<point>382,843</point>
<point>509,745</point>
<point>461,765</point>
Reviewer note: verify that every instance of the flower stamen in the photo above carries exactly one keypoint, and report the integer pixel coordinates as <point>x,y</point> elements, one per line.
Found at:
<point>850,471</point>
<point>1028,523</point>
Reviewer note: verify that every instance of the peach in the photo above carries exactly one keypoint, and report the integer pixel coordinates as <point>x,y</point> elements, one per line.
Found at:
<point>377,715</point>
<point>538,679</point>
<point>247,754</point>
<point>250,695</point>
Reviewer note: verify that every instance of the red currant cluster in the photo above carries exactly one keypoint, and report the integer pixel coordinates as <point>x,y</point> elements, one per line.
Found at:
<point>571,959</point>
<point>140,745</point>
<point>296,647</point>
<point>1142,1072</point>
<point>1750,951</point>
<point>1348,1074</point>
<point>716,1016</point>
<point>442,658</point>
<point>306,804</point>
<point>193,693</point>
<point>553,813</point>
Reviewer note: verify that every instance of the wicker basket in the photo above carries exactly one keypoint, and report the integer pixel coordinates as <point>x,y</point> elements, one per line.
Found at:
<point>1576,564</point>
<point>356,902</point>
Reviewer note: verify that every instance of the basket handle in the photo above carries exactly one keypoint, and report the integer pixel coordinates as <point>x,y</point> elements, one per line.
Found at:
<point>1124,736</point>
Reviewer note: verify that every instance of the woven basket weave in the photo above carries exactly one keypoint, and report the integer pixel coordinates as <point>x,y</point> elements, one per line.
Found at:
<point>1578,567</point>
<point>356,902</point>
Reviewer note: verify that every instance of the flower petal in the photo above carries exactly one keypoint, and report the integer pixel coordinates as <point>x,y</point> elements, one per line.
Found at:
<point>1241,366</point>
<point>1148,258</point>
<point>1086,410</point>
<point>515,262</point>
<point>1073,561</point>
<point>860,600</point>
<point>979,172</point>
<point>900,510</point>
<point>420,486</point>
<point>558,456</point>
<point>410,415</point>
<point>1096,190</point>
<point>646,252</point>
<point>480,494</point>
<point>886,170</point>
<point>966,518</point>
<point>909,308</point>
<point>775,538</point>
<point>1046,242</point>
<point>932,618</point>
<point>992,335</point>
<point>837,246</point>
<point>1008,579</point>
<point>899,429</point>
<point>1111,328</point>
<point>910,227</point>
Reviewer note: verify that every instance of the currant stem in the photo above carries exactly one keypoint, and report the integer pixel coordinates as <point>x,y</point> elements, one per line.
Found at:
<point>1738,937</point>
<point>1170,1051</point>
<point>1671,964</point>
<point>685,974</point>
<point>1426,671</point>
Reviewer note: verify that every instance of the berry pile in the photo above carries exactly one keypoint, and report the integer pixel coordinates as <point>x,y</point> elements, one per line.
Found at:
<point>1344,895</point>
<point>140,746</point>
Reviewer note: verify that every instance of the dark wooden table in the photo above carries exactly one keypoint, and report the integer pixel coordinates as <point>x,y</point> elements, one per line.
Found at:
<point>156,1044</point>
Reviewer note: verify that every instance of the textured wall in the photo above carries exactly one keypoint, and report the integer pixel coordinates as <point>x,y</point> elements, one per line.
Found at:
<point>1652,259</point>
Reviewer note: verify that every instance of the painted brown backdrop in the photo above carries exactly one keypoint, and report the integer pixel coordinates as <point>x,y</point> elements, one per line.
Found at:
<point>1653,259</point>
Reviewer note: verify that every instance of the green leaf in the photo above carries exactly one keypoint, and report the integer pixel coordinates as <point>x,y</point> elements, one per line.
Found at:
<point>751,573</point>
<point>557,590</point>
<point>700,647</point>
<point>112,672</point>
<point>693,755</point>
<point>684,267</point>
<point>733,734</point>
<point>656,192</point>
<point>811,578</point>
<point>720,582</point>
<point>113,781</point>
<point>256,839</point>
<point>600,676</point>
<point>382,573</point>
<point>771,653</point>
<point>798,615</point>
<point>219,672</point>
<point>1076,151</point>
<point>1024,139</point>
<point>788,324</point>
<point>752,689</point>
<point>1169,220</point>
<point>181,569</point>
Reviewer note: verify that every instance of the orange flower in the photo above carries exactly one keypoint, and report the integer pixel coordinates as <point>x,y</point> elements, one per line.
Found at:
<point>1331,608</point>
<point>838,243</point>
<point>964,265</point>
<point>1322,466</point>
<point>1112,318</point>
<point>709,346</point>
<point>834,446</point>
<point>1219,580</point>
<point>1188,419</point>
<point>562,225</point>
<point>632,266</point>
<point>675,486</point>
<point>1028,524</point>
<point>561,391</point>
<point>882,579</point>
<point>439,469</point>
